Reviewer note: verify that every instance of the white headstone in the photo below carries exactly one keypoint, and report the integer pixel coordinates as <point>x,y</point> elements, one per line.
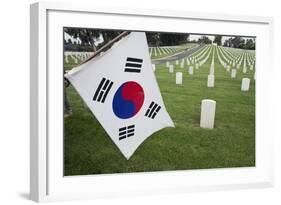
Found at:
<point>211,81</point>
<point>84,56</point>
<point>228,68</point>
<point>196,66</point>
<point>66,58</point>
<point>74,58</point>
<point>244,69</point>
<point>233,73</point>
<point>182,65</point>
<point>171,68</point>
<point>208,112</point>
<point>187,62</point>
<point>245,84</point>
<point>153,67</point>
<point>178,78</point>
<point>212,69</point>
<point>177,62</point>
<point>190,70</point>
<point>77,56</point>
<point>167,64</point>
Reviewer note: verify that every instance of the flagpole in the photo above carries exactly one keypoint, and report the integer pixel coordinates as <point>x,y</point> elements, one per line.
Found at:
<point>106,46</point>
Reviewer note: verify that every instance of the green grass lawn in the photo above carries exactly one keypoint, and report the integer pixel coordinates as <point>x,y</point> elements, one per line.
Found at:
<point>176,50</point>
<point>89,150</point>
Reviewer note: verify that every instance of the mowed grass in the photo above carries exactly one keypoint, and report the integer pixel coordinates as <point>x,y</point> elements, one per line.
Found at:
<point>89,150</point>
<point>170,53</point>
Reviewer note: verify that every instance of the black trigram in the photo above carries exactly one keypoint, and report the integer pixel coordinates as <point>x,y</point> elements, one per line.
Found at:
<point>133,65</point>
<point>152,110</point>
<point>102,90</point>
<point>126,132</point>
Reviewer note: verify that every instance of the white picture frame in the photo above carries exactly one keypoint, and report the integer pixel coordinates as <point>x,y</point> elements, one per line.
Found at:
<point>47,182</point>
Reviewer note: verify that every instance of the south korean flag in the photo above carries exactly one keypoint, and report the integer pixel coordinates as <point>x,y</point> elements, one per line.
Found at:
<point>121,90</point>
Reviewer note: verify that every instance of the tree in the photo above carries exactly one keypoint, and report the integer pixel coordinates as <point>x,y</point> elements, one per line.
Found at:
<point>240,42</point>
<point>171,39</point>
<point>218,39</point>
<point>237,42</point>
<point>250,44</point>
<point>166,39</point>
<point>227,42</point>
<point>88,36</point>
<point>153,38</point>
<point>204,40</point>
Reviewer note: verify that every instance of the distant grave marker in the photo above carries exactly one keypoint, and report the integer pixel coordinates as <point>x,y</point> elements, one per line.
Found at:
<point>153,67</point>
<point>171,68</point>
<point>182,64</point>
<point>228,68</point>
<point>244,69</point>
<point>187,62</point>
<point>190,70</point>
<point>233,73</point>
<point>167,64</point>
<point>66,58</point>
<point>179,78</point>
<point>211,81</point>
<point>212,68</point>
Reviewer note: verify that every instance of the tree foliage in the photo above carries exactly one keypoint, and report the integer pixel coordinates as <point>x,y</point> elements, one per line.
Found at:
<point>239,42</point>
<point>218,40</point>
<point>153,38</point>
<point>88,37</point>
<point>204,40</point>
<point>166,39</point>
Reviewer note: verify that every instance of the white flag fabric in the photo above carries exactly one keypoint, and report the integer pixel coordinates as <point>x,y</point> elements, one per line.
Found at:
<point>121,90</point>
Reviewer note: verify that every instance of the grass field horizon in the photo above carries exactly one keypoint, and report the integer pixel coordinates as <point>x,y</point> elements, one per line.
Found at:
<point>173,51</point>
<point>89,150</point>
